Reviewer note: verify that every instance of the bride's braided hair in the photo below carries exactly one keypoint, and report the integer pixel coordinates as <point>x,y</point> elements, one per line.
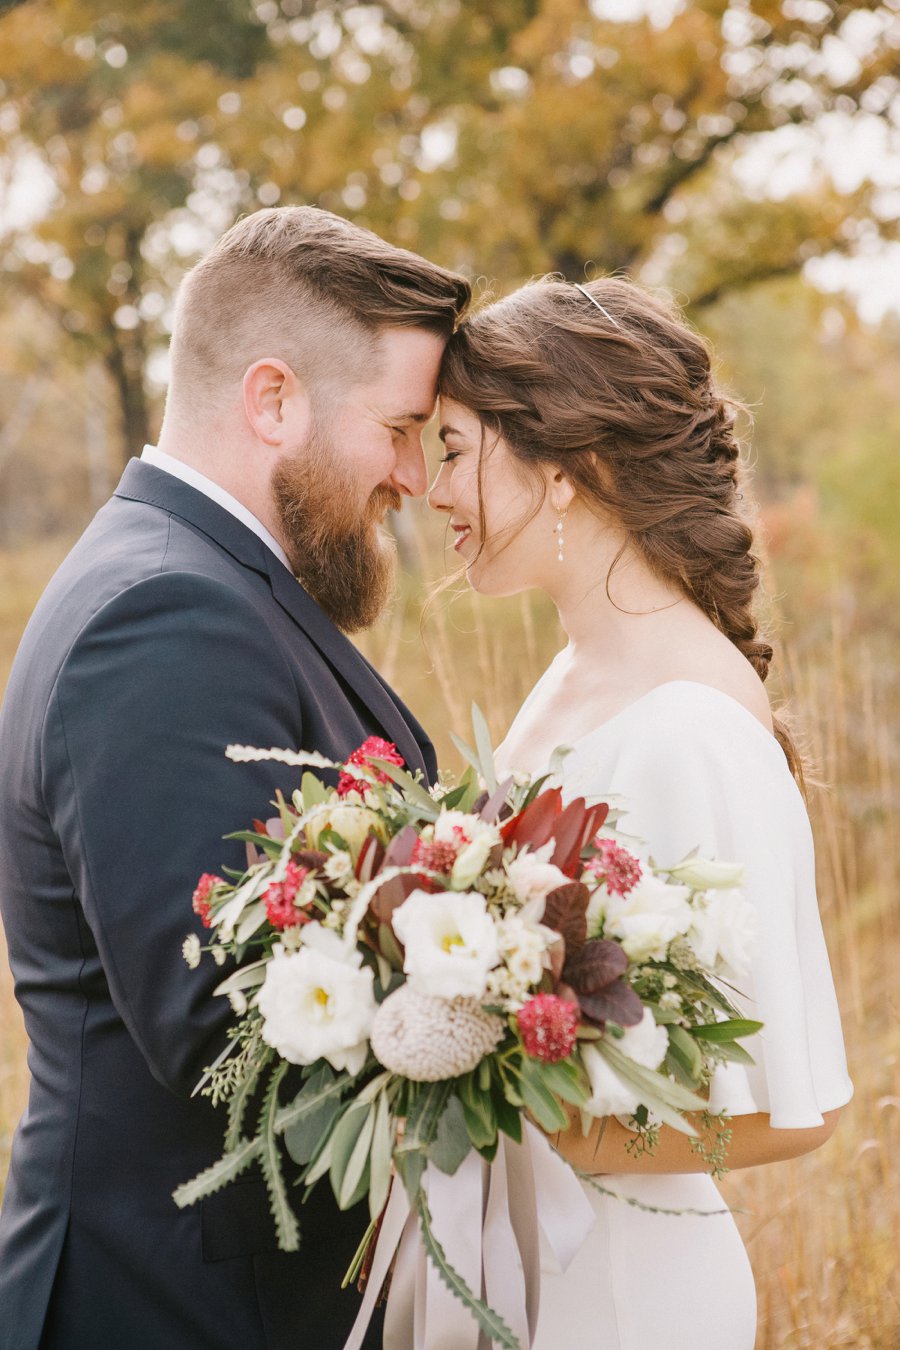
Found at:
<point>622,400</point>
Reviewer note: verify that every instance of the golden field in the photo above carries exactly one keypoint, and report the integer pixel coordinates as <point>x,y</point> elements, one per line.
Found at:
<point>823,1232</point>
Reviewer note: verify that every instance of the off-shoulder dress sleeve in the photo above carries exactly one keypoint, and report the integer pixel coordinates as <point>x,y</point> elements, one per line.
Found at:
<point>698,771</point>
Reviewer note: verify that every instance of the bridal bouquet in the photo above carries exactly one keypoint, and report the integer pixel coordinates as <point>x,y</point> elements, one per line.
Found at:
<point>444,964</point>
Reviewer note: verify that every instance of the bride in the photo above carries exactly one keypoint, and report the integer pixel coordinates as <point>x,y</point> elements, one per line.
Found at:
<point>590,455</point>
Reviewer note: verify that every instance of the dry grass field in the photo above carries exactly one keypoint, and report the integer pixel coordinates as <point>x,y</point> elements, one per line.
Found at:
<point>823,1232</point>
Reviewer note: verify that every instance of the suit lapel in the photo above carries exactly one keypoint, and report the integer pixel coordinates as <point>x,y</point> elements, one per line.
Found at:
<point>146,483</point>
<point>339,652</point>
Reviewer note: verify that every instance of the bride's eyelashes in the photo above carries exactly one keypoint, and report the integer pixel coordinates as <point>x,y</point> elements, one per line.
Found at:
<point>450,456</point>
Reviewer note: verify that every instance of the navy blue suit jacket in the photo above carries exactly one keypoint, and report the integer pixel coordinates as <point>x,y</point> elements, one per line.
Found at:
<point>168,632</point>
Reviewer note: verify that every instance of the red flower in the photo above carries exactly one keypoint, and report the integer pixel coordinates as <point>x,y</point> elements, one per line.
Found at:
<point>548,1025</point>
<point>200,899</point>
<point>437,856</point>
<point>373,748</point>
<point>616,866</point>
<point>279,898</point>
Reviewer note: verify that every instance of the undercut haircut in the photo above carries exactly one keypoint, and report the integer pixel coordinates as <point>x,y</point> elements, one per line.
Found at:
<point>306,287</point>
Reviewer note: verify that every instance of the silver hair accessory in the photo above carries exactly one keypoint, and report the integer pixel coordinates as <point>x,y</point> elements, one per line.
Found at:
<point>604,312</point>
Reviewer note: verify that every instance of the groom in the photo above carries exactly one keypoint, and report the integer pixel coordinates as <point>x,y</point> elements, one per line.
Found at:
<point>304,364</point>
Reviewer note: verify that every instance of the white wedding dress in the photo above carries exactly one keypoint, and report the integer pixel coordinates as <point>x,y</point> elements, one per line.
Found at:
<point>696,770</point>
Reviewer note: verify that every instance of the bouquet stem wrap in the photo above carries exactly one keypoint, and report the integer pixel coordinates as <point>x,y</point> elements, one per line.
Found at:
<point>487,1219</point>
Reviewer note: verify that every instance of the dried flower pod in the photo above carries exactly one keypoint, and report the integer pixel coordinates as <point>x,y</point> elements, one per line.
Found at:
<point>428,1039</point>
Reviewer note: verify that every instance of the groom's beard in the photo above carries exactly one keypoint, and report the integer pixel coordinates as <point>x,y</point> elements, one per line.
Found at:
<point>336,548</point>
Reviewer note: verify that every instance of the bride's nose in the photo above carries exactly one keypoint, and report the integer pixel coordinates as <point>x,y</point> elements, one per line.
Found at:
<point>437,496</point>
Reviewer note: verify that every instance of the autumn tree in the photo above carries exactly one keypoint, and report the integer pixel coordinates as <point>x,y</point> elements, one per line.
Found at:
<point>504,137</point>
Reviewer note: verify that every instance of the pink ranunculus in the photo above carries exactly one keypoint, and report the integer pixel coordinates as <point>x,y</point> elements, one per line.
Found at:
<point>548,1025</point>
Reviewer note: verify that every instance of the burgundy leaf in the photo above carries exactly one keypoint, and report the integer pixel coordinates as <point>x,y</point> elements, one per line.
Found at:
<point>392,893</point>
<point>595,965</point>
<point>311,858</point>
<point>399,850</point>
<point>565,910</point>
<point>535,824</point>
<point>490,808</point>
<point>617,1002</point>
<point>371,856</point>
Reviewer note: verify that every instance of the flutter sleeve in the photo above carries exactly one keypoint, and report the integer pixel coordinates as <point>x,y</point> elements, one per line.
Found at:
<point>697,771</point>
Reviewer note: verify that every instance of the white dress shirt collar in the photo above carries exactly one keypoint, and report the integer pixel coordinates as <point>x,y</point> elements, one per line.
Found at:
<point>160,460</point>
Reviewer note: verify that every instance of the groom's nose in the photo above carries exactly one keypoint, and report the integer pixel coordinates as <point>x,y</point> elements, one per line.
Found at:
<point>410,475</point>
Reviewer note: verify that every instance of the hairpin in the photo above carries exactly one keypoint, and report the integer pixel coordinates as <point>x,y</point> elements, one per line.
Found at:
<point>604,312</point>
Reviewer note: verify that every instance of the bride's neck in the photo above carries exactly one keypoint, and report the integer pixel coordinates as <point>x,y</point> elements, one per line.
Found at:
<point>624,607</point>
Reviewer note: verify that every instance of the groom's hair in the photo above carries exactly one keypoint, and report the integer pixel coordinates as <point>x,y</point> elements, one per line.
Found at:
<point>308,287</point>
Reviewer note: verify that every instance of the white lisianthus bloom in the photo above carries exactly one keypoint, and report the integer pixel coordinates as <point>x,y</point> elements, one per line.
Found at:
<point>724,933</point>
<point>472,837</point>
<point>318,1002</point>
<point>532,877</point>
<point>707,873</point>
<point>646,1044</point>
<point>450,941</point>
<point>648,918</point>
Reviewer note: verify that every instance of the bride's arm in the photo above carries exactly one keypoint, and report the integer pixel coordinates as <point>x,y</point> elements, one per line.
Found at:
<point>753,1141</point>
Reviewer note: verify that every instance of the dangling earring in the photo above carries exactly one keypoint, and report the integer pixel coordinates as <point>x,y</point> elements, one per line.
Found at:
<point>558,530</point>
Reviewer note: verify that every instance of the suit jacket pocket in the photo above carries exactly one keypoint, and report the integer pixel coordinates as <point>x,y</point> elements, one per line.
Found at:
<point>237,1221</point>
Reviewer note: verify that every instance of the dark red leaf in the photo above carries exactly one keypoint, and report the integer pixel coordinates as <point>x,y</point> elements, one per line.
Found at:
<point>535,824</point>
<point>399,850</point>
<point>371,856</point>
<point>595,965</point>
<point>310,858</point>
<point>392,893</point>
<point>491,807</point>
<point>565,910</point>
<point>617,1002</point>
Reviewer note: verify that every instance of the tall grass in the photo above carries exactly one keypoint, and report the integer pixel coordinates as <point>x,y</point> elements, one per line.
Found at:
<point>823,1231</point>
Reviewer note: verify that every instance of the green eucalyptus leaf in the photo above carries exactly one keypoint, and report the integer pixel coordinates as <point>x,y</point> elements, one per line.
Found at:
<point>731,1030</point>
<point>452,1143</point>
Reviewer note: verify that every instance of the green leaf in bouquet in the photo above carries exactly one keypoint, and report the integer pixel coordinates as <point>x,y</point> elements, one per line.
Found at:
<point>343,1142</point>
<point>731,1030</point>
<point>692,979</point>
<point>730,1050</point>
<point>663,1097</point>
<point>286,1227</point>
<point>452,1143</point>
<point>414,792</point>
<point>485,748</point>
<point>242,1095</point>
<point>313,791</point>
<point>489,1321</point>
<point>213,1178</point>
<point>383,1134</point>
<point>252,919</point>
<point>566,1079</point>
<point>319,1163</point>
<point>479,1111</point>
<point>468,754</point>
<point>684,1057</point>
<point>389,947</point>
<point>245,977</point>
<point>271,847</point>
<point>509,1117</point>
<point>540,1101</point>
<point>354,1182</point>
<point>315,1108</point>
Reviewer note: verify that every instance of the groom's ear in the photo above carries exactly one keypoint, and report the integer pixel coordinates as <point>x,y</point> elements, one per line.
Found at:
<point>277,406</point>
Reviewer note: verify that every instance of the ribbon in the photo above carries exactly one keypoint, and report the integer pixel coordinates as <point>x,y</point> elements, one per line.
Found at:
<point>486,1217</point>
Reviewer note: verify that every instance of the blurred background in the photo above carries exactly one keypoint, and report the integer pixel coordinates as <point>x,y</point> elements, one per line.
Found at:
<point>746,156</point>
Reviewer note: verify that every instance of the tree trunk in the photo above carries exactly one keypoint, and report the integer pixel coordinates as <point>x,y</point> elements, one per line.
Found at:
<point>125,363</point>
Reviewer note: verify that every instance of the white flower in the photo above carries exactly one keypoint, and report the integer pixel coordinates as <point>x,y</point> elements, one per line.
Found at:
<point>219,955</point>
<point>646,1044</point>
<point>238,1002</point>
<point>522,946</point>
<point>349,818</point>
<point>472,837</point>
<point>533,877</point>
<point>707,873</point>
<point>648,918</point>
<point>190,950</point>
<point>450,941</point>
<point>338,865</point>
<point>724,932</point>
<point>318,1003</point>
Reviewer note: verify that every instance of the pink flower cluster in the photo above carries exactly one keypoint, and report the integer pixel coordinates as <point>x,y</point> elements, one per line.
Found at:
<point>548,1025</point>
<point>280,896</point>
<point>373,748</point>
<point>616,866</point>
<point>200,901</point>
